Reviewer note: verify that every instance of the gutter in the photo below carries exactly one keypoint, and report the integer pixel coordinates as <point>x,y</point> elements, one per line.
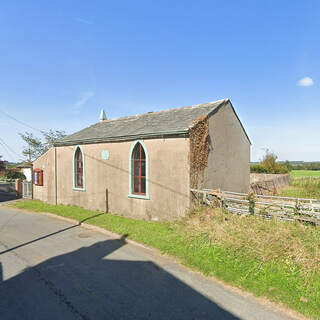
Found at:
<point>182,133</point>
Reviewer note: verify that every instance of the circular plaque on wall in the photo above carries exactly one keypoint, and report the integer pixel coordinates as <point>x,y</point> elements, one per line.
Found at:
<point>105,155</point>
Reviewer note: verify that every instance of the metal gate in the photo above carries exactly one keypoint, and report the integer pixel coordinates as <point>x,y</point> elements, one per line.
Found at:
<point>27,190</point>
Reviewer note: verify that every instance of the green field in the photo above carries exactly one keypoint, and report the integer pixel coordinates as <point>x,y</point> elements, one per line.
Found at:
<point>304,173</point>
<point>273,259</point>
<point>303,188</point>
<point>306,188</point>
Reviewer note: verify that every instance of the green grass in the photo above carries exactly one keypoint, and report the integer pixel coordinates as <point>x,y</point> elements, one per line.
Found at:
<point>304,173</point>
<point>303,187</point>
<point>274,259</point>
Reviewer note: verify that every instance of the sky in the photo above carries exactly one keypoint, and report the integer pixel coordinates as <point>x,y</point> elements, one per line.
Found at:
<point>61,62</point>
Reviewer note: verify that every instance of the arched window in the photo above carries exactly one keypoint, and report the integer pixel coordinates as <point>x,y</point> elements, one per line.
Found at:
<point>78,169</point>
<point>139,171</point>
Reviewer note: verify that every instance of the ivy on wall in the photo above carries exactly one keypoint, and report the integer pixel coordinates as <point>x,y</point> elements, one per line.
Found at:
<point>199,150</point>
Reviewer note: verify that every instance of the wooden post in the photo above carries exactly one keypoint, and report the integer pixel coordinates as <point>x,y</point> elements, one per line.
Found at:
<point>107,201</point>
<point>18,187</point>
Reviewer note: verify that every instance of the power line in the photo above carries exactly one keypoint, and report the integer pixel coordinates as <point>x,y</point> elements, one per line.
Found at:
<point>9,154</point>
<point>7,151</point>
<point>4,145</point>
<point>8,148</point>
<point>21,122</point>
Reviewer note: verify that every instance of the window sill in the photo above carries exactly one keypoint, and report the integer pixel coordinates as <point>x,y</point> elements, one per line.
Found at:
<point>138,196</point>
<point>79,189</point>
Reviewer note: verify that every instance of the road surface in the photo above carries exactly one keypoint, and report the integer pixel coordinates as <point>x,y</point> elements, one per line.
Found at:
<point>53,269</point>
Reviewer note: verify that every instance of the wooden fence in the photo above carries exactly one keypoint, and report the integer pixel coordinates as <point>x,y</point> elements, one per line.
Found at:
<point>284,208</point>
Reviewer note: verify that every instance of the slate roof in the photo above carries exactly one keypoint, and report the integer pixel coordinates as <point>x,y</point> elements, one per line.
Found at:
<point>161,123</point>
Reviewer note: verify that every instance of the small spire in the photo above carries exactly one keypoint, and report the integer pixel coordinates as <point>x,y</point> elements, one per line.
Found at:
<point>103,115</point>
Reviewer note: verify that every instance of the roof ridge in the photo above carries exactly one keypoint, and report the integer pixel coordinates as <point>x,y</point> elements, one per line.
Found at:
<point>164,122</point>
<point>166,110</point>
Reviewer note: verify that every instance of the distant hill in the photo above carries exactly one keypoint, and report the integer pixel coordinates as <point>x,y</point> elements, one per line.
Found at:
<point>294,163</point>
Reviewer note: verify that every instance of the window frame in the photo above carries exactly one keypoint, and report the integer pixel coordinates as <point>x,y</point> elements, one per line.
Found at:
<point>37,177</point>
<point>74,172</point>
<point>132,194</point>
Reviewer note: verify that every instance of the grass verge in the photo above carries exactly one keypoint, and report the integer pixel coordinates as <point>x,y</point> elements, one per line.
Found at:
<point>302,189</point>
<point>275,259</point>
<point>304,173</point>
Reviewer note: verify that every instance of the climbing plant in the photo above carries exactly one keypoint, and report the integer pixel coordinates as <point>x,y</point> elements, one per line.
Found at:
<point>199,150</point>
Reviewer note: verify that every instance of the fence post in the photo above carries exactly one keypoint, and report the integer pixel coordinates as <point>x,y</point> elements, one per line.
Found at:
<point>252,203</point>
<point>18,187</point>
<point>107,200</point>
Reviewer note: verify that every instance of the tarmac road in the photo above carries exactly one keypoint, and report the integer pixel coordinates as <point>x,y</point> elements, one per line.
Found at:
<point>53,269</point>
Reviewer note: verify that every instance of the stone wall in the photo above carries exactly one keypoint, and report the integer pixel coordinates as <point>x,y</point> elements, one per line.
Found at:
<point>268,184</point>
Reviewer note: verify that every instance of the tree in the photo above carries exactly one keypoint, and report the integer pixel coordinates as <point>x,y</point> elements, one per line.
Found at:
<point>12,173</point>
<point>288,165</point>
<point>269,162</point>
<point>35,146</point>
<point>50,137</point>
<point>2,164</point>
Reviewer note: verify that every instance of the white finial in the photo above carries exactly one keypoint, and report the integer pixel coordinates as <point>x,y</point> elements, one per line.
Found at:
<point>103,115</point>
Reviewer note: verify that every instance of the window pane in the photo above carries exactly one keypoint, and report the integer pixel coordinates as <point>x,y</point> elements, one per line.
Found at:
<point>79,180</point>
<point>78,169</point>
<point>136,185</point>
<point>136,153</point>
<point>136,168</point>
<point>139,170</point>
<point>143,185</point>
<point>143,155</point>
<point>143,168</point>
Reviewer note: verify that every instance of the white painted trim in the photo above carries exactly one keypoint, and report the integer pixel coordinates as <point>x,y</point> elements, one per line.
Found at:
<point>131,194</point>
<point>73,170</point>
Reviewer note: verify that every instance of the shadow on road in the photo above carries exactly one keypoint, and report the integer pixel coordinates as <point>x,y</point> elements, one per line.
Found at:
<point>49,235</point>
<point>85,284</point>
<point>7,196</point>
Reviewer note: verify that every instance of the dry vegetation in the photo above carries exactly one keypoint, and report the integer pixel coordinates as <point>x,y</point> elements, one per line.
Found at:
<point>295,244</point>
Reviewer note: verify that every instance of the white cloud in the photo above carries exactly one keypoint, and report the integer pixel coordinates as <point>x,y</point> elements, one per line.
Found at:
<point>305,82</point>
<point>85,96</point>
<point>83,21</point>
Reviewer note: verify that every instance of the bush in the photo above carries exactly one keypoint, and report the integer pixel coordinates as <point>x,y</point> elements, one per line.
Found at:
<point>269,164</point>
<point>14,174</point>
<point>269,161</point>
<point>258,168</point>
